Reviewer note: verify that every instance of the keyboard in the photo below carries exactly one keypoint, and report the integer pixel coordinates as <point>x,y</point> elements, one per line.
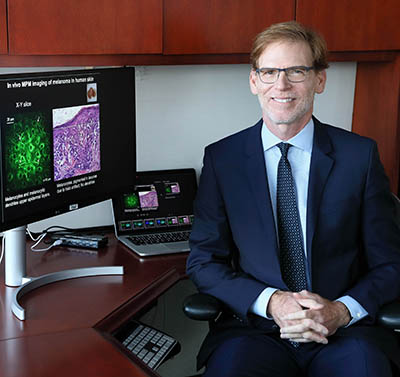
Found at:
<point>148,239</point>
<point>148,344</point>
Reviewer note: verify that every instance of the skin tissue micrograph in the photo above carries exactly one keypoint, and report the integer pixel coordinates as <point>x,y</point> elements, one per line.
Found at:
<point>76,141</point>
<point>27,151</point>
<point>148,199</point>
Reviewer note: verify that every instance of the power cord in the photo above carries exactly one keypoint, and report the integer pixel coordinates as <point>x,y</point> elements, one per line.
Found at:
<point>2,248</point>
<point>55,243</point>
<point>40,238</point>
<point>37,239</point>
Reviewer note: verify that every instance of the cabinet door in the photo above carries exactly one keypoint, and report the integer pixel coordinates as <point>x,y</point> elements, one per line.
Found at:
<point>53,27</point>
<point>3,27</point>
<point>353,25</point>
<point>219,26</point>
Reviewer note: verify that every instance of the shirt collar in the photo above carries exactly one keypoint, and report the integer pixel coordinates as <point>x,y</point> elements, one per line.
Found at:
<point>303,140</point>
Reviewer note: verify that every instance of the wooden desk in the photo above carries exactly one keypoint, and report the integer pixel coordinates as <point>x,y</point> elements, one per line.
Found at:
<point>68,323</point>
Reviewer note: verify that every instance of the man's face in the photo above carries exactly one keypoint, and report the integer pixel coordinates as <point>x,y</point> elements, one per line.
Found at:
<point>287,106</point>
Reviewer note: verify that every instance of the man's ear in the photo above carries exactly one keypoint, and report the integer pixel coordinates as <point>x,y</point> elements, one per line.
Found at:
<point>321,81</point>
<point>253,82</point>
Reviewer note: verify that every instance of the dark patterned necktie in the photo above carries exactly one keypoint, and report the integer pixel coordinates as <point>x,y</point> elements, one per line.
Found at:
<point>292,256</point>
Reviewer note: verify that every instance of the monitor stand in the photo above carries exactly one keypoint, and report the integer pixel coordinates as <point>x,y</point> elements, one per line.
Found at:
<point>15,270</point>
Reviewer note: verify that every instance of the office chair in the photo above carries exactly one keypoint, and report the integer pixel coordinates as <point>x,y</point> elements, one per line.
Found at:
<point>204,307</point>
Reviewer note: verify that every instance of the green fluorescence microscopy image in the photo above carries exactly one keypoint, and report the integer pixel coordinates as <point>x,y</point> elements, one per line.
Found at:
<point>131,201</point>
<point>27,152</point>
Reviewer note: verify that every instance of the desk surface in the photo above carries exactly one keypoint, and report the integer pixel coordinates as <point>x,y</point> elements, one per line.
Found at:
<point>68,322</point>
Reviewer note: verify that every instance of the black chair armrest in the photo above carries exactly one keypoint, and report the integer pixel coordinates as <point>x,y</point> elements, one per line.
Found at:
<point>389,315</point>
<point>202,307</point>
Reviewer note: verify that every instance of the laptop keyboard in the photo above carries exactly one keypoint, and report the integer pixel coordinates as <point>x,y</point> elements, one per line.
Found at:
<point>150,239</point>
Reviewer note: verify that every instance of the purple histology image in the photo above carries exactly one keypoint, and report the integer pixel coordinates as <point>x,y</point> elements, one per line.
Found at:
<point>148,199</point>
<point>76,136</point>
<point>175,188</point>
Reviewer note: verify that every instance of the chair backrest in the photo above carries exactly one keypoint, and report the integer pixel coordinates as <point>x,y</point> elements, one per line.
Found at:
<point>397,208</point>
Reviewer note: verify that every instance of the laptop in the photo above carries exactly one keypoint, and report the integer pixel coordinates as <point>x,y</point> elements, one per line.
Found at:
<point>156,217</point>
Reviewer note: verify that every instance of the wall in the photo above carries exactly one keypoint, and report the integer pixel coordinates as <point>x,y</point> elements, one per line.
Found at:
<point>181,109</point>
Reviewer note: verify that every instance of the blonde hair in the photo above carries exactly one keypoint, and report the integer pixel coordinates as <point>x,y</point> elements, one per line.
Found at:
<point>291,31</point>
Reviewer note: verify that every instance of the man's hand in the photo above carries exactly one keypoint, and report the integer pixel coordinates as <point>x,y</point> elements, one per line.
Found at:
<point>284,304</point>
<point>330,315</point>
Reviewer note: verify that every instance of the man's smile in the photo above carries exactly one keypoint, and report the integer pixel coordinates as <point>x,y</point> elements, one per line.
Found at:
<point>282,100</point>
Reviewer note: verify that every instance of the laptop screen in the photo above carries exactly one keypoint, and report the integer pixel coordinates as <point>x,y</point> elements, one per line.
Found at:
<point>161,200</point>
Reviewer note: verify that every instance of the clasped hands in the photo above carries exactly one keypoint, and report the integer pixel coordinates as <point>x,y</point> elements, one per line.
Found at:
<point>307,317</point>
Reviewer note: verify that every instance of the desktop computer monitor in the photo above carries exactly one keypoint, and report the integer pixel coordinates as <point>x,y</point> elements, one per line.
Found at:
<point>67,140</point>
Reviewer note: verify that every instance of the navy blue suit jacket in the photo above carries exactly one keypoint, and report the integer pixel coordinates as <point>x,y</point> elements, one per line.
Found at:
<point>353,242</point>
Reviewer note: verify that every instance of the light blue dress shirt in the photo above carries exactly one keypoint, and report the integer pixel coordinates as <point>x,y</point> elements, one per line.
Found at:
<point>299,156</point>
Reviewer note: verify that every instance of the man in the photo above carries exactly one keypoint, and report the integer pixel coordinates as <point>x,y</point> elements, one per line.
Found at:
<point>294,231</point>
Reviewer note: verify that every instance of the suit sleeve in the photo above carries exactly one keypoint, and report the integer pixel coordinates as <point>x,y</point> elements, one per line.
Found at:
<point>209,264</point>
<point>380,242</point>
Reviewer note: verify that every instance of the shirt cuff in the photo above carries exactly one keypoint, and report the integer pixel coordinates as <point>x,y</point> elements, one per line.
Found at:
<point>357,312</point>
<point>260,304</point>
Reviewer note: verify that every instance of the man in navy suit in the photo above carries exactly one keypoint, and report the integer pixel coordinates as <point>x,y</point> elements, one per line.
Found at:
<point>350,242</point>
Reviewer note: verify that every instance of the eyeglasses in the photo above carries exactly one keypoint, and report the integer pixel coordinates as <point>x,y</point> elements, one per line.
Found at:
<point>293,74</point>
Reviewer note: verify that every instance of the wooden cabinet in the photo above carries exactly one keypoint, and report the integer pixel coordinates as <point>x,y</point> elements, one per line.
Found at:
<point>377,114</point>
<point>186,27</point>
<point>3,28</point>
<point>219,26</point>
<point>63,27</point>
<point>353,25</point>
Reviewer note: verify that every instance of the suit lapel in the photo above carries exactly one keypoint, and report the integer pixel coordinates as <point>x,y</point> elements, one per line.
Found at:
<point>257,178</point>
<point>321,165</point>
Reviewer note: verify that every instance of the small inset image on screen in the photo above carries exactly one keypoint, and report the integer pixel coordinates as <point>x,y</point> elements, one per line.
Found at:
<point>91,92</point>
<point>172,188</point>
<point>131,201</point>
<point>76,141</point>
<point>148,197</point>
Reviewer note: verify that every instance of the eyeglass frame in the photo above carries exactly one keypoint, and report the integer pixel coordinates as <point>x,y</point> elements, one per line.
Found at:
<point>307,69</point>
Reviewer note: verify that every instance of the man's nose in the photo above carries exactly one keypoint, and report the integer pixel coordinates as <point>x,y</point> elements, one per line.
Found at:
<point>282,82</point>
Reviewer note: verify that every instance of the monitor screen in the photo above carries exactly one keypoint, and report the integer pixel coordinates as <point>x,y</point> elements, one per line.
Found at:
<point>67,140</point>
